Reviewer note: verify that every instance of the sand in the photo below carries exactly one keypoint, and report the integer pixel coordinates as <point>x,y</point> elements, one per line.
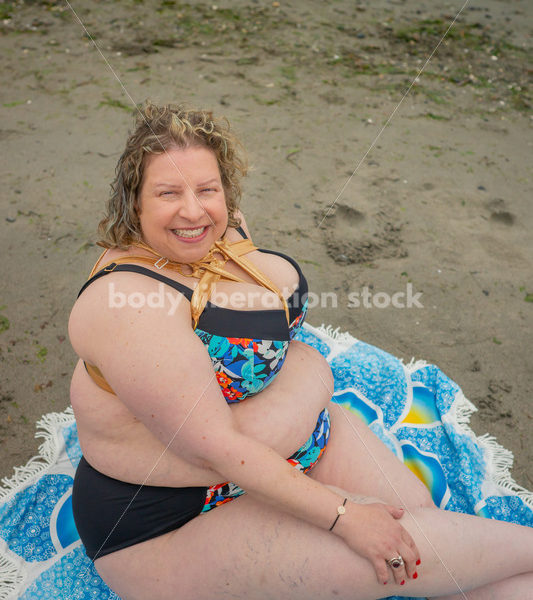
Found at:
<point>432,194</point>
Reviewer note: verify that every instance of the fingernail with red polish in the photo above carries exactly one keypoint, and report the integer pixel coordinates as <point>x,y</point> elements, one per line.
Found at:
<point>418,562</point>
<point>402,582</point>
<point>415,575</point>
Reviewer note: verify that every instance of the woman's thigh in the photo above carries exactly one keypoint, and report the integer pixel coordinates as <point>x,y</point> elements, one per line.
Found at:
<point>246,550</point>
<point>241,550</point>
<point>358,461</point>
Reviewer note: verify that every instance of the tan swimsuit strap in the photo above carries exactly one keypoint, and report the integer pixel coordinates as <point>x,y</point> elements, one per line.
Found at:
<point>209,270</point>
<point>96,375</point>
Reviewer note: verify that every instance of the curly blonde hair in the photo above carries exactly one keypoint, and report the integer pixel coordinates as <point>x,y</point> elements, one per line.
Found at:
<point>157,129</point>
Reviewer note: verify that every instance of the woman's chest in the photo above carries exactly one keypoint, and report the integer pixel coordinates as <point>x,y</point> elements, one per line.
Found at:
<point>243,366</point>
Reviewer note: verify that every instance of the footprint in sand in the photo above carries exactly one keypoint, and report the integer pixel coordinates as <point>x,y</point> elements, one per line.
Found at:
<point>504,217</point>
<point>493,405</point>
<point>499,213</point>
<point>353,236</point>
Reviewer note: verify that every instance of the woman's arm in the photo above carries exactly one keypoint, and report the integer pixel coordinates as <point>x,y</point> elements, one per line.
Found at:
<point>161,371</point>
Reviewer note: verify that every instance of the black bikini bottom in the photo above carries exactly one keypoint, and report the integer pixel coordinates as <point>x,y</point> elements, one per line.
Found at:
<point>111,514</point>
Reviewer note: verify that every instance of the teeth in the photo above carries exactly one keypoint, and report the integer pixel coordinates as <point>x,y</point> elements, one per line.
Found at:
<point>189,233</point>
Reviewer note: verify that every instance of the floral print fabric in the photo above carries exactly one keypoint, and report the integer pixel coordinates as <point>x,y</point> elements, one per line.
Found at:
<point>245,366</point>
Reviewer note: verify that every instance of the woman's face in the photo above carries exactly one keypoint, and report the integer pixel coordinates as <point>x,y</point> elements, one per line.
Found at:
<point>182,205</point>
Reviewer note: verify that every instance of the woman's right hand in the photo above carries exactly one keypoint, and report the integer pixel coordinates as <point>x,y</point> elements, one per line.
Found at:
<point>374,531</point>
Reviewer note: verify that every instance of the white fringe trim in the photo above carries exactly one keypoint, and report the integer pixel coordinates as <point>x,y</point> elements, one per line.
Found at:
<point>10,577</point>
<point>47,428</point>
<point>327,331</point>
<point>499,460</point>
<point>49,452</point>
<point>413,365</point>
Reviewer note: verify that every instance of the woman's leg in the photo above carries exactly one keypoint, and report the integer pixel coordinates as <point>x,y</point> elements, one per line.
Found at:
<point>472,554</point>
<point>247,550</point>
<point>519,587</point>
<point>357,460</point>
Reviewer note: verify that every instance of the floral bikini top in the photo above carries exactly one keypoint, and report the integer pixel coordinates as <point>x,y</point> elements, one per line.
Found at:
<point>247,347</point>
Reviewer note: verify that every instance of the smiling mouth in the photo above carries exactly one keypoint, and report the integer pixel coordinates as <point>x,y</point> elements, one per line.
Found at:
<point>190,233</point>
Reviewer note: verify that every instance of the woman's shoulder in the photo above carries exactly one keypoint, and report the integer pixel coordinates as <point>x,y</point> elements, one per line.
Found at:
<point>115,303</point>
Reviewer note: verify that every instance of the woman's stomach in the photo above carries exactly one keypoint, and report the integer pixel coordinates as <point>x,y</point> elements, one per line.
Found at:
<point>282,416</point>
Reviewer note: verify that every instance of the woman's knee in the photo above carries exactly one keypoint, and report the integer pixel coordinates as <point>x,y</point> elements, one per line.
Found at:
<point>420,497</point>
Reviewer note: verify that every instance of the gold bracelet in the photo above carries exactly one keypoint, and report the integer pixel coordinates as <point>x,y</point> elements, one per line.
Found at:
<point>340,511</point>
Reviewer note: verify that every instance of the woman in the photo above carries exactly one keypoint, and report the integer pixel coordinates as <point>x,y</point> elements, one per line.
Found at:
<point>175,421</point>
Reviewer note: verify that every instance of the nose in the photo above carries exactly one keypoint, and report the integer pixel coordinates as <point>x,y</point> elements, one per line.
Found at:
<point>191,207</point>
